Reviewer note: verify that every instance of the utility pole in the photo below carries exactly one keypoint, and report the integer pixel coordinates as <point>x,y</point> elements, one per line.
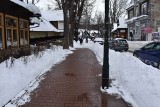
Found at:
<point>105,72</point>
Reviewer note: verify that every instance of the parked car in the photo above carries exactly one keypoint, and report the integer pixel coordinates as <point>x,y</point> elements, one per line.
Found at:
<point>118,44</point>
<point>150,54</point>
<point>99,40</point>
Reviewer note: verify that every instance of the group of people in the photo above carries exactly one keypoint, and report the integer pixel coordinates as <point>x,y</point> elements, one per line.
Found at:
<point>83,35</point>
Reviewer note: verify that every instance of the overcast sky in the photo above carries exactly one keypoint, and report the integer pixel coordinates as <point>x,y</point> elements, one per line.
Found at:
<point>99,5</point>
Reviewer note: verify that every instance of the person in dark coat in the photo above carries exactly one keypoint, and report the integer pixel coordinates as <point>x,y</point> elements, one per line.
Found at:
<point>131,35</point>
<point>80,37</point>
<point>81,41</point>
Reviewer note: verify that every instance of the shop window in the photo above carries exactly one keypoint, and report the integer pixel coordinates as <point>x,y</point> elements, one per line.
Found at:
<point>11,31</point>
<point>24,32</point>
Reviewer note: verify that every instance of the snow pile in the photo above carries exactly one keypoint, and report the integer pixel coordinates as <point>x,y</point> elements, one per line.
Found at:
<point>135,81</point>
<point>33,8</point>
<point>29,6</point>
<point>133,45</point>
<point>122,23</point>
<point>35,20</point>
<point>53,15</point>
<point>16,78</point>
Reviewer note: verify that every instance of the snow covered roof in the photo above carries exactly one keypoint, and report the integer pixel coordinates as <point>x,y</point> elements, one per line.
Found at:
<point>119,39</point>
<point>135,18</point>
<point>98,39</point>
<point>130,4</point>
<point>31,7</point>
<point>45,26</point>
<point>48,16</point>
<point>114,27</point>
<point>122,23</point>
<point>53,15</point>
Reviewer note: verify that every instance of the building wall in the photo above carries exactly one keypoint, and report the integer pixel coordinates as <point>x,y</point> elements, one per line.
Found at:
<point>143,18</point>
<point>60,25</point>
<point>155,15</point>
<point>14,30</point>
<point>41,34</point>
<point>120,33</point>
<point>123,32</point>
<point>34,34</point>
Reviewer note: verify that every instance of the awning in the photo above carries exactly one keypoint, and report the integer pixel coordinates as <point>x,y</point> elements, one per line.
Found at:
<point>147,30</point>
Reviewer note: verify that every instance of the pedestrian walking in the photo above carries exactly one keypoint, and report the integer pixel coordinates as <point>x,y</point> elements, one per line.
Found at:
<point>80,37</point>
<point>81,41</point>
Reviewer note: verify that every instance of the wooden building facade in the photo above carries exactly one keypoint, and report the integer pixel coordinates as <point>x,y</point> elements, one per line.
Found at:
<point>14,25</point>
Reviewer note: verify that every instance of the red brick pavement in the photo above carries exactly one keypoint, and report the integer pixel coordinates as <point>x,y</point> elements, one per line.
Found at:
<point>74,83</point>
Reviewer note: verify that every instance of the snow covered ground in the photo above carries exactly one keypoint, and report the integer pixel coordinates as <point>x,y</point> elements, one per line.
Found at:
<point>135,81</point>
<point>21,75</point>
<point>133,45</point>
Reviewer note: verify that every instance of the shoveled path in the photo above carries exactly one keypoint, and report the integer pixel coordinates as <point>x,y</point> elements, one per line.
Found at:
<point>75,82</point>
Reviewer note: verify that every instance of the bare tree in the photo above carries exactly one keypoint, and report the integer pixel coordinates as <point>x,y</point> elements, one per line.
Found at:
<point>87,13</point>
<point>117,9</point>
<point>100,23</point>
<point>84,9</point>
<point>65,7</point>
<point>57,4</point>
<point>72,10</point>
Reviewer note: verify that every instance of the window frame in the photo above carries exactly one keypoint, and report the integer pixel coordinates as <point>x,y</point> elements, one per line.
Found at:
<point>144,8</point>
<point>24,30</point>
<point>137,10</point>
<point>131,13</point>
<point>12,29</point>
<point>2,27</point>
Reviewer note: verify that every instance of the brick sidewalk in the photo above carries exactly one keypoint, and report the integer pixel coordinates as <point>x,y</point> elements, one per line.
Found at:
<point>74,83</point>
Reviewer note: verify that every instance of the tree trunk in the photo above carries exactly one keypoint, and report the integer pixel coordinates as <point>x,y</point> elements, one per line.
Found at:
<point>72,23</point>
<point>72,34</point>
<point>66,26</point>
<point>78,17</point>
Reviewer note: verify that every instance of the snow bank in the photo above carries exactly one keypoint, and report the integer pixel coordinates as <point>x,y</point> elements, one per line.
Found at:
<point>135,81</point>
<point>16,78</point>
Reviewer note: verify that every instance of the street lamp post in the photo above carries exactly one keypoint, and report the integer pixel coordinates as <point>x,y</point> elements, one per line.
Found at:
<point>105,72</point>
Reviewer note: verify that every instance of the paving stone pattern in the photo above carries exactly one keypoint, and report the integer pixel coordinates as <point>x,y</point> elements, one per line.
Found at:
<point>74,83</point>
